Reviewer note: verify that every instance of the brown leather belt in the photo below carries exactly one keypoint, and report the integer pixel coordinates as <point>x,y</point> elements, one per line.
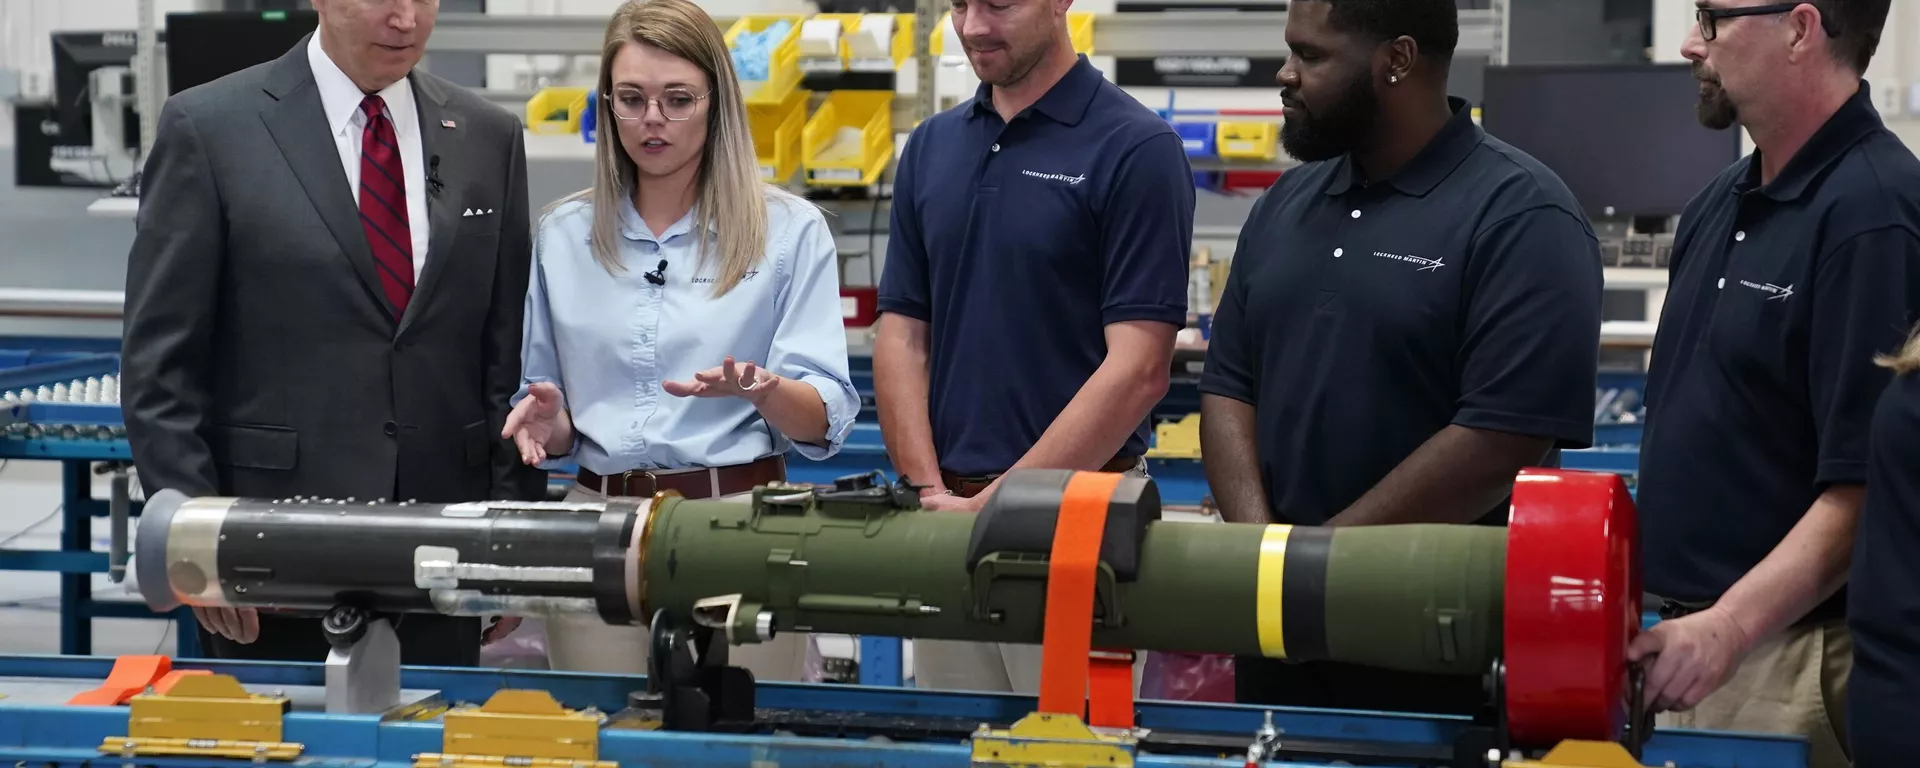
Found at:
<point>701,483</point>
<point>967,486</point>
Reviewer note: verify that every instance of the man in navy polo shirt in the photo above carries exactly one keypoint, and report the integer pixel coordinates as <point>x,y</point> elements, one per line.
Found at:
<point>1412,317</point>
<point>1791,271</point>
<point>1035,277</point>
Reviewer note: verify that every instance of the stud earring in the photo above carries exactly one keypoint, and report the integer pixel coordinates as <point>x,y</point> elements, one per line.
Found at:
<point>1393,78</point>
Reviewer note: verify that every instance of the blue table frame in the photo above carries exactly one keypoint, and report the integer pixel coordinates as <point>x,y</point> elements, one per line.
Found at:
<point>71,735</point>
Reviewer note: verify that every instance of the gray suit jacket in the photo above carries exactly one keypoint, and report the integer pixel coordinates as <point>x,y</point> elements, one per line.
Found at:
<point>260,356</point>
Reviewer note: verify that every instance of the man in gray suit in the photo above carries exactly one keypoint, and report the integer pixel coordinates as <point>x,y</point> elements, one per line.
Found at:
<point>324,297</point>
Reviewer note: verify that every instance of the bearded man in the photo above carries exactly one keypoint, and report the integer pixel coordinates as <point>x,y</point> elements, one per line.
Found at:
<point>1412,317</point>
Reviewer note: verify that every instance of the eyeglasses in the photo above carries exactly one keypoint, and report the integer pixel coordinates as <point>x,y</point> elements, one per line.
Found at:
<point>1709,18</point>
<point>675,104</point>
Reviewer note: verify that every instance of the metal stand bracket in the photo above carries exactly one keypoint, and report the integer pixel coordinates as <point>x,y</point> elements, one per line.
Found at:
<point>363,669</point>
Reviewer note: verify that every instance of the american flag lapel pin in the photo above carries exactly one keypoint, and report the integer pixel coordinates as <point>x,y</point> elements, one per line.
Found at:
<point>446,123</point>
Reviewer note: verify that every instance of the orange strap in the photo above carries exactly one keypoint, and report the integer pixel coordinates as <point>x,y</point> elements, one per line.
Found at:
<point>1068,638</point>
<point>130,676</point>
<point>1112,690</point>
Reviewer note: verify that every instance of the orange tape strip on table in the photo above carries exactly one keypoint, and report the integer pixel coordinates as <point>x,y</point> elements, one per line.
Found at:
<point>1068,638</point>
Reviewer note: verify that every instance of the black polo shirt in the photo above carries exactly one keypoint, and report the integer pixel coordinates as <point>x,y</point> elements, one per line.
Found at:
<point>1019,242</point>
<point>1883,693</point>
<point>1362,318</point>
<point>1762,380</point>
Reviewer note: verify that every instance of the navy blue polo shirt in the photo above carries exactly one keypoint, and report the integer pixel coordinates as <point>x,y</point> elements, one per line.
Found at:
<point>1362,318</point>
<point>1883,609</point>
<point>1019,242</point>
<point>1762,382</point>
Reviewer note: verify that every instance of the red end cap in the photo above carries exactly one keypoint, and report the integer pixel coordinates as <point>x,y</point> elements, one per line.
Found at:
<point>1572,605</point>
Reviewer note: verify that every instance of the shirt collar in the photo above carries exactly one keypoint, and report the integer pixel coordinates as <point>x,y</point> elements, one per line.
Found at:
<point>1432,165</point>
<point>1852,122</point>
<point>635,228</point>
<point>340,98</point>
<point>1066,102</point>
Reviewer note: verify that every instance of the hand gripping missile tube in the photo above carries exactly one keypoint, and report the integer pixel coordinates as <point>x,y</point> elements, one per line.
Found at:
<point>1552,600</point>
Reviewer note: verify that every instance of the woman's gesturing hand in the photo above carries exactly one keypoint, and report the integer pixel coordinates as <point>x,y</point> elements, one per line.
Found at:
<point>539,421</point>
<point>749,382</point>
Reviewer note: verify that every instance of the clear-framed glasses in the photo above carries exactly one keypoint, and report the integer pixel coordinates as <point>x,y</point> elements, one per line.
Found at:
<point>675,104</point>
<point>1709,17</point>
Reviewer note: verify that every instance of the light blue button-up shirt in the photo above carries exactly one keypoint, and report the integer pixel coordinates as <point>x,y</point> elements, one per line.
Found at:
<point>610,341</point>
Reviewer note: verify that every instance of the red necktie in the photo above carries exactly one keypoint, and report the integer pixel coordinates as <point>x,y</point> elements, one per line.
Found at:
<point>383,204</point>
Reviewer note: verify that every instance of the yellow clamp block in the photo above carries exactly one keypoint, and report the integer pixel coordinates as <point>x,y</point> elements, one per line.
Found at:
<point>519,728</point>
<point>1581,754</point>
<point>1177,439</point>
<point>1053,740</point>
<point>204,715</point>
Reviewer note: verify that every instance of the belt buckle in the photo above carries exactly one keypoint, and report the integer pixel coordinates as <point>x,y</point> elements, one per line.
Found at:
<point>626,482</point>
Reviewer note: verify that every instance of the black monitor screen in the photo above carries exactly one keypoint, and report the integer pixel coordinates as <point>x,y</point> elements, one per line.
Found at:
<point>203,47</point>
<point>1624,138</point>
<point>75,56</point>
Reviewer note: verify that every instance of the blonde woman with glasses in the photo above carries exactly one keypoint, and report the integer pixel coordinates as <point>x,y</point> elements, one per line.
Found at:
<point>683,324</point>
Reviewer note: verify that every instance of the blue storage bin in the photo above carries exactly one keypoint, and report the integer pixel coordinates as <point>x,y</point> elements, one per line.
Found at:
<point>586,119</point>
<point>1197,137</point>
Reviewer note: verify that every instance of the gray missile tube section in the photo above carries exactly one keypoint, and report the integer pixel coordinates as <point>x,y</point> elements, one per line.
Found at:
<point>472,559</point>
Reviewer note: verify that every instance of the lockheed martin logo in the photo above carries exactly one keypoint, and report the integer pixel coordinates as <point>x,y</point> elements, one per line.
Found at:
<point>1425,265</point>
<point>1776,293</point>
<point>1070,180</point>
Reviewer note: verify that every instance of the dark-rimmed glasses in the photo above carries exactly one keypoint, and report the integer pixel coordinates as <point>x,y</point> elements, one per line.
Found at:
<point>675,104</point>
<point>1709,18</point>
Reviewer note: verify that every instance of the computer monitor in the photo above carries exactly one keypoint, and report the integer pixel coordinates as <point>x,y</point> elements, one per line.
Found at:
<point>76,55</point>
<point>203,47</point>
<point>1624,137</point>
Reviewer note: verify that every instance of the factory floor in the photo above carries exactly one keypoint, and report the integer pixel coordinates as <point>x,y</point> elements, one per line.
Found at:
<point>30,602</point>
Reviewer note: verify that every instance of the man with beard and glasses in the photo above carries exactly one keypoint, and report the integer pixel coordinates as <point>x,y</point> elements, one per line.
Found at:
<point>1412,317</point>
<point>1036,274</point>
<point>1791,272</point>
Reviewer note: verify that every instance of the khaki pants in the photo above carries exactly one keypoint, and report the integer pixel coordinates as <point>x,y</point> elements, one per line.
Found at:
<point>950,665</point>
<point>584,643</point>
<point>1794,685</point>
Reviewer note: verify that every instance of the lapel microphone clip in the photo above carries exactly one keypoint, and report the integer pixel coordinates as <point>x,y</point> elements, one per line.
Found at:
<point>659,275</point>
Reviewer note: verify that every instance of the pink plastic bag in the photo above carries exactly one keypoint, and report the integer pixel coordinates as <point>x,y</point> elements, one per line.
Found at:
<point>1187,677</point>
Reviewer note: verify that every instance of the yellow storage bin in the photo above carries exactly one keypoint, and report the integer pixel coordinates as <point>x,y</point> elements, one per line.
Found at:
<point>556,110</point>
<point>849,140</point>
<point>1079,30</point>
<point>1247,141</point>
<point>783,65</point>
<point>900,43</point>
<point>777,131</point>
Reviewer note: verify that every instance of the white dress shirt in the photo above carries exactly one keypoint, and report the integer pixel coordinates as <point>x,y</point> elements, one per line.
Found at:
<point>341,100</point>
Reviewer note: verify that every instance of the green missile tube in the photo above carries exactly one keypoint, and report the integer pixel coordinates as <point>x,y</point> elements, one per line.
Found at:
<point>868,561</point>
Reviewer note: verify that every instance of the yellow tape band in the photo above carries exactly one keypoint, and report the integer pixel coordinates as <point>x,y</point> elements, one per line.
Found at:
<point>1271,581</point>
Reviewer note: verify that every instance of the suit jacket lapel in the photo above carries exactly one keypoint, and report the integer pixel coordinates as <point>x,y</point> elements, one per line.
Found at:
<point>299,126</point>
<point>440,137</point>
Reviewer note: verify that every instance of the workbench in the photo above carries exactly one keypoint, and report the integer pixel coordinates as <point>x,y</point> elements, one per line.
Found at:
<point>928,729</point>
